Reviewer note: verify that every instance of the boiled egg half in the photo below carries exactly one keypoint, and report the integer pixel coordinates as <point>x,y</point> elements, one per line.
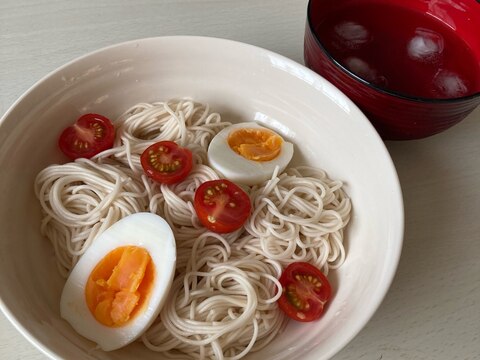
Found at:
<point>119,285</point>
<point>248,153</point>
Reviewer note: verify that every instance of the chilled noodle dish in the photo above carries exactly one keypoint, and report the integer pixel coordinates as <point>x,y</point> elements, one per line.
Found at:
<point>222,303</point>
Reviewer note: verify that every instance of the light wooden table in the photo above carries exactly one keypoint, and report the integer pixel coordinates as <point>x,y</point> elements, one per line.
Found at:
<point>432,311</point>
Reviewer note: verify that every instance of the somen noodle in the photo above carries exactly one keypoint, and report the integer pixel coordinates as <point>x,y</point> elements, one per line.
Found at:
<point>222,303</point>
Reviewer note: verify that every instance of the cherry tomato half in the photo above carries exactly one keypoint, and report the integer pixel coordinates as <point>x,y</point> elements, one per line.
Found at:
<point>305,292</point>
<point>166,162</point>
<point>221,205</point>
<point>90,135</point>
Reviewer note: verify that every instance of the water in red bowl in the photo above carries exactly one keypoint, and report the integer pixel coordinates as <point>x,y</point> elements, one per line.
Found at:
<point>412,66</point>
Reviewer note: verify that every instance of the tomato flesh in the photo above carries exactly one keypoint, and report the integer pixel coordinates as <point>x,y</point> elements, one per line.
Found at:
<point>305,291</point>
<point>221,206</point>
<point>166,162</point>
<point>88,136</point>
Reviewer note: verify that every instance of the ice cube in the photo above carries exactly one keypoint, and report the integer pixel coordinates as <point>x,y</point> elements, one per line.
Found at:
<point>426,46</point>
<point>365,71</point>
<point>351,35</point>
<point>449,84</point>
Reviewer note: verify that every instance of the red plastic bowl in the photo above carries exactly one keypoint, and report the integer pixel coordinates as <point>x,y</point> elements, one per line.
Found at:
<point>398,116</point>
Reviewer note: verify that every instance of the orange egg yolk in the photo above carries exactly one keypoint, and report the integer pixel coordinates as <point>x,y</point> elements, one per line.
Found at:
<point>255,144</point>
<point>120,285</point>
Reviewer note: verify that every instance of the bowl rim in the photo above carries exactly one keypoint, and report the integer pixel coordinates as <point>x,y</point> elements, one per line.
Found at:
<point>12,319</point>
<point>390,269</point>
<point>381,90</point>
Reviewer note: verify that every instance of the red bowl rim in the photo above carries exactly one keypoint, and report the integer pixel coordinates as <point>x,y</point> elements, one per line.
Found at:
<point>378,88</point>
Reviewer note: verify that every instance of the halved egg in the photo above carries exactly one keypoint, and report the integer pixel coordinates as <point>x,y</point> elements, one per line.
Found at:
<point>118,287</point>
<point>248,153</point>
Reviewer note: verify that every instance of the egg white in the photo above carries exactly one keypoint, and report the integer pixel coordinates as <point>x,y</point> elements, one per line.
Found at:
<point>143,230</point>
<point>223,159</point>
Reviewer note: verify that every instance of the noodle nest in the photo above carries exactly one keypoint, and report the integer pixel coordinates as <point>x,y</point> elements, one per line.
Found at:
<point>222,303</point>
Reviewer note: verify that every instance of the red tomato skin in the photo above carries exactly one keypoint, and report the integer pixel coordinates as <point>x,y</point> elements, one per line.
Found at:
<point>69,136</point>
<point>227,218</point>
<point>316,300</point>
<point>175,152</point>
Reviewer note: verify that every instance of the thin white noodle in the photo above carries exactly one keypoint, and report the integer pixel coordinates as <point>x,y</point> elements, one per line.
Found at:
<point>82,199</point>
<point>222,304</point>
<point>299,215</point>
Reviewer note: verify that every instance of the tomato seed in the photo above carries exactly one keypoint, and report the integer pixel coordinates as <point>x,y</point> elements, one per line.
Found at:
<point>301,315</point>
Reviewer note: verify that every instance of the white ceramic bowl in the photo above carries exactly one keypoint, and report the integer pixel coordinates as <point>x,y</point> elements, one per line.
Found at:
<point>242,83</point>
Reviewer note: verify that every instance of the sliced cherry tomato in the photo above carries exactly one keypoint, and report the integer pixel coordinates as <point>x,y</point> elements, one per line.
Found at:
<point>166,162</point>
<point>305,292</point>
<point>90,135</point>
<point>221,205</point>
